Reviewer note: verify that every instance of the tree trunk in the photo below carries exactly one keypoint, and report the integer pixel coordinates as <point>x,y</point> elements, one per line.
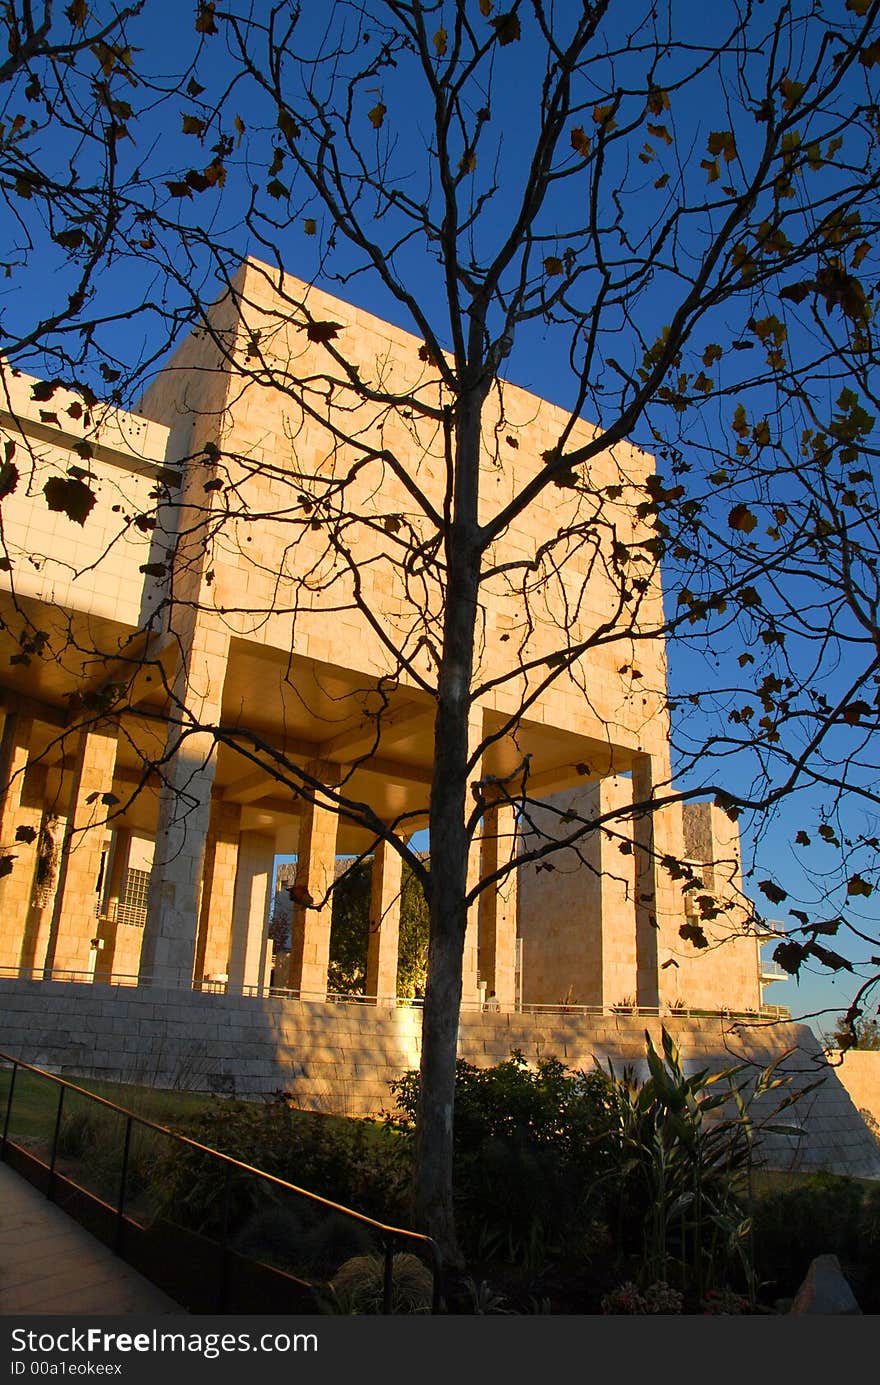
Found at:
<point>449,851</point>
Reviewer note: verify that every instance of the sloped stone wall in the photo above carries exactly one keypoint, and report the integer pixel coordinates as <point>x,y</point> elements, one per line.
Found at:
<point>859,1071</point>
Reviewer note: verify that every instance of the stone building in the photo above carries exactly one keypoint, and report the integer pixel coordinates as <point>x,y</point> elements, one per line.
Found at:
<point>240,585</point>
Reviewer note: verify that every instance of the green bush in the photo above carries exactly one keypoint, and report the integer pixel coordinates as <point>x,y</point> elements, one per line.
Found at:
<point>529,1148</point>
<point>356,1163</point>
<point>825,1214</point>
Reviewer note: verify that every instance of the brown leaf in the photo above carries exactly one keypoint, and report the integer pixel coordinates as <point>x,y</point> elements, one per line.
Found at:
<point>773,892</point>
<point>323,331</point>
<point>70,497</point>
<point>742,519</point>
<point>9,477</point>
<point>693,933</point>
<point>205,17</point>
<point>377,115</point>
<point>857,886</point>
<point>43,390</point>
<point>580,141</point>
<point>507,29</point>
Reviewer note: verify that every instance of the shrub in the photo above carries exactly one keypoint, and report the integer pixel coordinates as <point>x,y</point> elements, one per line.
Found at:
<point>356,1163</point>
<point>824,1214</point>
<point>529,1148</point>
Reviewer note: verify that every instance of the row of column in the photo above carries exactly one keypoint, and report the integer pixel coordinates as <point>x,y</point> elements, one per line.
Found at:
<point>51,849</point>
<point>210,882</point>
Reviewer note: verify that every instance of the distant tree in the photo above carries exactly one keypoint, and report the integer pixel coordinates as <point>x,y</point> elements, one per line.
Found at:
<point>860,1031</point>
<point>351,926</point>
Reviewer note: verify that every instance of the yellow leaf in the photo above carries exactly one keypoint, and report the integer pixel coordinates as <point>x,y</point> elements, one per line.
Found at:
<point>239,127</point>
<point>440,43</point>
<point>486,8</point>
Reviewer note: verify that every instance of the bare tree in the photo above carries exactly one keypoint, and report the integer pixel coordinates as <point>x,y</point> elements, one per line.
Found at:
<point>681,207</point>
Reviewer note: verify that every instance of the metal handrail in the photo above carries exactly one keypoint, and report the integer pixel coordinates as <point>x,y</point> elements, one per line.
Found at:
<point>388,1234</point>
<point>264,992</point>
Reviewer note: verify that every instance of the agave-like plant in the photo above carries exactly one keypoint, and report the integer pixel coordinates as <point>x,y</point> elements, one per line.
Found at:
<point>682,1158</point>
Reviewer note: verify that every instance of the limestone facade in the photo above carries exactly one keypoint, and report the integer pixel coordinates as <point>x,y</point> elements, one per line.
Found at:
<point>256,577</point>
<point>343,1057</point>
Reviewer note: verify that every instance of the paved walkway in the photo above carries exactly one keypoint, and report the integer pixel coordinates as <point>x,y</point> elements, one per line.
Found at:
<point>49,1264</point>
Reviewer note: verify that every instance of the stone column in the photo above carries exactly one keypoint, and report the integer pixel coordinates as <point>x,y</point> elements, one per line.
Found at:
<point>49,844</point>
<point>114,881</point>
<point>470,993</point>
<point>659,907</point>
<point>617,962</point>
<point>253,883</point>
<point>74,916</point>
<point>315,870</point>
<point>168,953</point>
<point>218,893</point>
<point>385,898</point>
<point>498,907</point>
<point>19,835</point>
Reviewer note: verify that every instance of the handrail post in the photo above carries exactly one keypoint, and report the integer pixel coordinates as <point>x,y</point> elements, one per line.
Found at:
<point>388,1280</point>
<point>120,1200</point>
<point>50,1189</point>
<point>224,1247</point>
<point>437,1295</point>
<point>8,1115</point>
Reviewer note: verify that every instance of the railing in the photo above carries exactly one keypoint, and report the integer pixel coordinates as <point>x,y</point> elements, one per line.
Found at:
<point>216,987</point>
<point>773,971</point>
<point>390,1237</point>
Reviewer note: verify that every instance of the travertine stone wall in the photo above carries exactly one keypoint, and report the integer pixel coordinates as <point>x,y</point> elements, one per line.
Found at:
<point>275,450</point>
<point>578,918</point>
<point>274,589</point>
<point>859,1071</point>
<point>91,567</point>
<point>589,921</point>
<point>342,1057</point>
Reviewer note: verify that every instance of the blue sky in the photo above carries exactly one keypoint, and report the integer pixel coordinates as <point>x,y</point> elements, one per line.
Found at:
<point>164,36</point>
